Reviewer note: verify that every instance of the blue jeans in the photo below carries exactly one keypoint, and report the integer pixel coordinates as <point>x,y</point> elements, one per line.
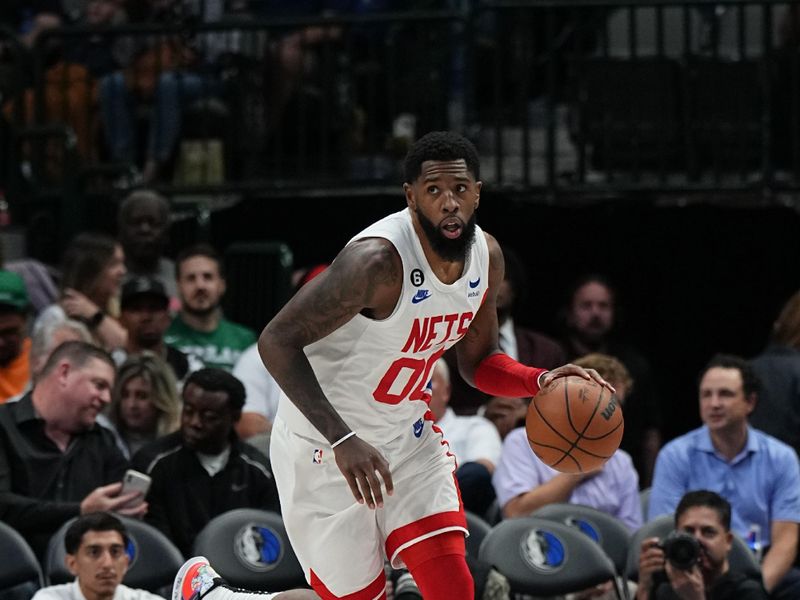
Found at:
<point>174,91</point>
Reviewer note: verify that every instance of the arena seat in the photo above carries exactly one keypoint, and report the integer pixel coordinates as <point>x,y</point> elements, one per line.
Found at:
<point>542,557</point>
<point>478,529</point>
<point>154,558</point>
<point>250,549</point>
<point>19,565</point>
<point>608,531</point>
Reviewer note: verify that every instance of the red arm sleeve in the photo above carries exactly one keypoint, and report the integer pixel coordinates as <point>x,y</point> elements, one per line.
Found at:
<point>501,375</point>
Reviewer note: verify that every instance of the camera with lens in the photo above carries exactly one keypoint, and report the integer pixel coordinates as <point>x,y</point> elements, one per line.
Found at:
<point>681,549</point>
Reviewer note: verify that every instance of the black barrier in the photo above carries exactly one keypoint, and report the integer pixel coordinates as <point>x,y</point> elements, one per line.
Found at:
<point>565,99</point>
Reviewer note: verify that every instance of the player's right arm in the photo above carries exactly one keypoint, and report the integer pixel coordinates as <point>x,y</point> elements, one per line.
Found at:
<point>366,277</point>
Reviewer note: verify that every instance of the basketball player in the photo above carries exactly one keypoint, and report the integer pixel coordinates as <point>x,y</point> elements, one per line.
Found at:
<point>361,470</point>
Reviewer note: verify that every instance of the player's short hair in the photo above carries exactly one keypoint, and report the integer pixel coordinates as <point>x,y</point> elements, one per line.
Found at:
<point>440,145</point>
<point>97,521</point>
<point>750,381</point>
<point>78,353</point>
<point>206,250</point>
<point>706,499</point>
<point>212,379</point>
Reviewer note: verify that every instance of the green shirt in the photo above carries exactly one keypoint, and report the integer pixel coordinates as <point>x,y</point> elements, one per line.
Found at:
<point>219,348</point>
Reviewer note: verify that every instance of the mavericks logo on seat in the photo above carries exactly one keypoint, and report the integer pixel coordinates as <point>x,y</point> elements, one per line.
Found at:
<point>258,547</point>
<point>542,550</point>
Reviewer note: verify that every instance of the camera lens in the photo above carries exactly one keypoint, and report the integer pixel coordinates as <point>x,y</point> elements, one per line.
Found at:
<point>681,550</point>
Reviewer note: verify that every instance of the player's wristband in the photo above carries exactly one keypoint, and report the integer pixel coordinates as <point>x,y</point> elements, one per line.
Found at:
<point>342,439</point>
<point>501,375</point>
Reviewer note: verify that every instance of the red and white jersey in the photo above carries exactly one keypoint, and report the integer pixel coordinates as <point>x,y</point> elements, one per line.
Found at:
<point>376,373</point>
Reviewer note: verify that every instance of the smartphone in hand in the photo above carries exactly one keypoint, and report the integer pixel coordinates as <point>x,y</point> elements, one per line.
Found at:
<point>134,481</point>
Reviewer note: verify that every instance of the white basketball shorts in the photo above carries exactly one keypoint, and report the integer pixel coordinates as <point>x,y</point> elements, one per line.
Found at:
<point>343,544</point>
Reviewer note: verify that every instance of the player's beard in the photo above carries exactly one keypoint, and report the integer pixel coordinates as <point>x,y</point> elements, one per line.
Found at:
<point>454,250</point>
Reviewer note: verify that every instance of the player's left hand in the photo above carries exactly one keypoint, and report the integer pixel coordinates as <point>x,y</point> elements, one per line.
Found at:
<point>358,461</point>
<point>571,369</point>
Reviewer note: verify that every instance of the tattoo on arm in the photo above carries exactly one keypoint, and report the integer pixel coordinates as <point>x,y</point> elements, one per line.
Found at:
<point>359,282</point>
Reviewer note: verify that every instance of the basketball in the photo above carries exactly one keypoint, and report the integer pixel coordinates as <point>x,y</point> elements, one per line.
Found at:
<point>574,425</point>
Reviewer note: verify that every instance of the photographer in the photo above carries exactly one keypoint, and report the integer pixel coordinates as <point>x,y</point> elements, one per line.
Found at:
<point>676,567</point>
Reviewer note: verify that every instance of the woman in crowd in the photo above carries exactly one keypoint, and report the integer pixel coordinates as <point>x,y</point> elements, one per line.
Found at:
<point>91,274</point>
<point>144,404</point>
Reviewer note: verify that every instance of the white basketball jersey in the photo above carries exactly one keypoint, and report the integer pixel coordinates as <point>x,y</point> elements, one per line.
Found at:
<point>376,373</point>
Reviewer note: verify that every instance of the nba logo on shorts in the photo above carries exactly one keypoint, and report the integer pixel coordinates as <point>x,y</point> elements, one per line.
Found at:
<point>317,460</point>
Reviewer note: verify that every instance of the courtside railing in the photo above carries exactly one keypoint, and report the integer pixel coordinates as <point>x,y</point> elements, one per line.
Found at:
<point>564,98</point>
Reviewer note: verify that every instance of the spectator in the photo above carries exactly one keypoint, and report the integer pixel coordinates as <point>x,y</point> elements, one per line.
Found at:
<point>706,516</point>
<point>55,461</point>
<point>263,394</point>
<point>218,472</point>
<point>73,65</point>
<point>756,473</point>
<point>96,546</point>
<point>15,345</point>
<point>524,483</point>
<point>589,317</point>
<point>38,279</point>
<point>143,221</point>
<point>144,402</point>
<point>200,327</point>
<point>172,73</point>
<point>472,439</point>
<point>143,312</point>
<point>778,369</point>
<point>506,413</point>
<point>31,19</point>
<point>92,270</point>
<point>525,345</point>
<point>51,336</point>
<point>263,391</point>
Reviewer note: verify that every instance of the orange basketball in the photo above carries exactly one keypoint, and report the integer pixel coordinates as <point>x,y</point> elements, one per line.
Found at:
<point>574,424</point>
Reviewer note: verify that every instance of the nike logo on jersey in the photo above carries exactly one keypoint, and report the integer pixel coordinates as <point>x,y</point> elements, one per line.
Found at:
<point>418,428</point>
<point>420,296</point>
<point>476,283</point>
<point>238,487</point>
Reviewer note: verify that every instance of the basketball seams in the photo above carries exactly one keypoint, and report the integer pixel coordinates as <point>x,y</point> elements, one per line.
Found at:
<point>579,434</point>
<point>567,419</point>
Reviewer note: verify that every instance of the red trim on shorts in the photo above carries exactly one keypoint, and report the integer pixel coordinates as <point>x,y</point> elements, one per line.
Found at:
<point>378,586</point>
<point>429,416</point>
<point>408,533</point>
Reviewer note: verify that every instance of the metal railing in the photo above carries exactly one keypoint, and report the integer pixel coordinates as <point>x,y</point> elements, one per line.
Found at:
<point>564,98</point>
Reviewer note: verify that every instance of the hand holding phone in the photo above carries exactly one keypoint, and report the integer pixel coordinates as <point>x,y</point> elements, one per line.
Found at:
<point>134,481</point>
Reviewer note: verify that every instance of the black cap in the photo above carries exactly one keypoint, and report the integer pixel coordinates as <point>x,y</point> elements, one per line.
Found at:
<point>143,286</point>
